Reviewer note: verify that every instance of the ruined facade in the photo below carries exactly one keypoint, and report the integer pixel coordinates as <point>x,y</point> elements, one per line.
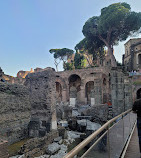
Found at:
<point>42,91</point>
<point>132,57</point>
<point>23,74</point>
<point>20,79</point>
<point>43,101</point>
<point>84,86</point>
<point>95,86</point>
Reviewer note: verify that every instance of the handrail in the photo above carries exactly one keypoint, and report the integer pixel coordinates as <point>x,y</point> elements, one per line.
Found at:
<point>85,142</point>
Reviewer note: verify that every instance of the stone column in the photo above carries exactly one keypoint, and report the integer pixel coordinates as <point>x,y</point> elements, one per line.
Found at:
<point>82,95</point>
<point>64,95</point>
<point>137,59</point>
<point>54,120</point>
<point>73,96</point>
<point>97,91</point>
<point>127,93</point>
<point>92,98</point>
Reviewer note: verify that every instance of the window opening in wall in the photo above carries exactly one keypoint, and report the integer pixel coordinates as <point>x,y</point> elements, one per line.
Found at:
<point>74,86</point>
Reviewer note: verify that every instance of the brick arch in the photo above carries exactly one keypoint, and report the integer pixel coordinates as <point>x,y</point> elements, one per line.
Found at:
<point>74,79</point>
<point>61,81</point>
<point>74,74</point>
<point>65,95</point>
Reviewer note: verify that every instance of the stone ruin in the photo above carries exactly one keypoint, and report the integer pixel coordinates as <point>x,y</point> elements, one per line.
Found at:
<point>43,102</point>
<point>30,109</point>
<point>94,87</point>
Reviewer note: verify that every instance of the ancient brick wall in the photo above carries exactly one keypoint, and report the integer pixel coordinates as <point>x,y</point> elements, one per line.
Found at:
<point>121,91</point>
<point>85,76</point>
<point>14,111</point>
<point>43,102</point>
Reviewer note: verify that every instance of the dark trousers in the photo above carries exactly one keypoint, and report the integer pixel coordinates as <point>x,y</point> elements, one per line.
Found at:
<point>139,130</point>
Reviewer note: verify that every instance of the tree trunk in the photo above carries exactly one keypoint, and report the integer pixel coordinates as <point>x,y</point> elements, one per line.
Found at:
<point>56,65</point>
<point>87,58</point>
<point>56,68</point>
<point>111,56</point>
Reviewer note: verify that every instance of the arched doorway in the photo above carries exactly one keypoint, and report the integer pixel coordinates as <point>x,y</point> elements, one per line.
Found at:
<point>74,87</point>
<point>139,61</point>
<point>139,93</point>
<point>58,92</point>
<point>89,88</point>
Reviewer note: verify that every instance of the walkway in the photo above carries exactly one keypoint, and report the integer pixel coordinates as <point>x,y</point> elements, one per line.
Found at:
<point>133,148</point>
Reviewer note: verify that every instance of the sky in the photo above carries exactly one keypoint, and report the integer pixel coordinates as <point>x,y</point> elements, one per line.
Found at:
<point>30,28</point>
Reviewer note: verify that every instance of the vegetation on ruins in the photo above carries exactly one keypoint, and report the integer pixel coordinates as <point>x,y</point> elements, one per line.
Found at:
<point>79,61</point>
<point>61,55</point>
<point>69,66</point>
<point>116,23</point>
<point>64,54</point>
<point>91,50</point>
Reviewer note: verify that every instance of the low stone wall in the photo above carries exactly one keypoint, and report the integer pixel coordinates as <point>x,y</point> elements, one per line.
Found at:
<point>3,149</point>
<point>37,146</point>
<point>15,111</point>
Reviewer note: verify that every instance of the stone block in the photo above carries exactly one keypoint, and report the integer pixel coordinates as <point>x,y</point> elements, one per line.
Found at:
<point>57,139</point>
<point>53,148</point>
<point>72,102</point>
<point>92,101</point>
<point>75,112</point>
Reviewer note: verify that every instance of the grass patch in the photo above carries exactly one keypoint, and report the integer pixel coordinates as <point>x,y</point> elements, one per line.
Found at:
<point>14,148</point>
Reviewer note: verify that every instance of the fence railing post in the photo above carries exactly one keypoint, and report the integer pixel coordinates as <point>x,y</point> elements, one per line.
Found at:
<point>108,135</point>
<point>123,127</point>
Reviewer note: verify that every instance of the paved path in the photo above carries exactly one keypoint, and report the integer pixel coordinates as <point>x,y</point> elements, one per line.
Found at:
<point>133,148</point>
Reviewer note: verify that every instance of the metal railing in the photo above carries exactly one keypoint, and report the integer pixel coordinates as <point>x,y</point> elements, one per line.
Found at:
<point>109,140</point>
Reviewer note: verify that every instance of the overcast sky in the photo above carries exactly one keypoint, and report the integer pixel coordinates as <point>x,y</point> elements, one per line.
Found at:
<point>29,28</point>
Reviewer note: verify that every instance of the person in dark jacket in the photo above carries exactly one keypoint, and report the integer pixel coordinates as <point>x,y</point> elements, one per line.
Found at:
<point>137,109</point>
